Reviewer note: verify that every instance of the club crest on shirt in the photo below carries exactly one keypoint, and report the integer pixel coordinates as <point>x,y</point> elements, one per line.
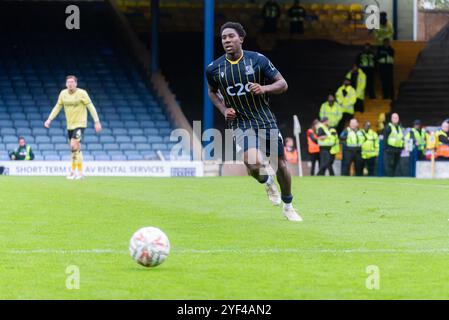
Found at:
<point>249,70</point>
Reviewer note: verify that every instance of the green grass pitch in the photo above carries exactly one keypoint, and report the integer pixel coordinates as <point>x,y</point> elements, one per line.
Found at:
<point>228,241</point>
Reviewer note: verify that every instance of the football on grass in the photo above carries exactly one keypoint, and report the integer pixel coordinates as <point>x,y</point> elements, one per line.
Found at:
<point>149,246</point>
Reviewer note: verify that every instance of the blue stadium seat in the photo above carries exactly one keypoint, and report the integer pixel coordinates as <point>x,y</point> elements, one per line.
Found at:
<point>162,124</point>
<point>90,139</point>
<point>135,157</point>
<point>160,146</point>
<point>59,139</point>
<point>127,146</point>
<point>53,131</point>
<point>10,139</point>
<point>154,139</point>
<point>23,131</point>
<point>61,146</point>
<point>149,155</point>
<point>147,124</point>
<point>6,123</point>
<point>21,123</point>
<point>94,146</point>
<point>119,131</point>
<point>7,131</point>
<point>118,157</point>
<point>122,139</point>
<point>107,139</point>
<point>111,146</point>
<point>135,132</point>
<point>165,131</point>
<point>34,116</point>
<point>42,139</point>
<point>132,124</point>
<point>66,157</point>
<point>150,131</point>
<point>139,139</point>
<point>39,131</point>
<point>88,157</point>
<point>46,147</point>
<point>102,157</point>
<point>143,146</point>
<point>11,146</point>
<point>52,157</point>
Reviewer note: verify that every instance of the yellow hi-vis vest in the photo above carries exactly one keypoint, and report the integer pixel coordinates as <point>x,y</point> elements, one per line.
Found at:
<point>333,113</point>
<point>396,137</point>
<point>329,141</point>
<point>420,137</point>
<point>28,149</point>
<point>336,147</point>
<point>346,102</point>
<point>370,147</point>
<point>354,138</point>
<point>361,83</point>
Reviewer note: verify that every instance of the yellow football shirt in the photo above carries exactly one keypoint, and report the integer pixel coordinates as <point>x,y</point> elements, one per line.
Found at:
<point>75,108</point>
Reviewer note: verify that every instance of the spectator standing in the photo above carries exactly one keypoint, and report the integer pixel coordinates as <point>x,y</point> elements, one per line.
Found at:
<point>418,136</point>
<point>271,12</point>
<point>352,139</point>
<point>331,110</point>
<point>370,149</point>
<point>346,98</point>
<point>297,15</point>
<point>385,30</point>
<point>312,146</point>
<point>393,145</point>
<point>328,142</point>
<point>358,81</point>
<point>442,142</point>
<point>367,62</point>
<point>385,59</point>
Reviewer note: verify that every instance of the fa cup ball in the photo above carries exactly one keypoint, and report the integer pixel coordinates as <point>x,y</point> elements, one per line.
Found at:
<point>149,247</point>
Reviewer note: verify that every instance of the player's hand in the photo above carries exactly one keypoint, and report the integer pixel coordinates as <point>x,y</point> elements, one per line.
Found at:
<point>230,114</point>
<point>256,88</point>
<point>97,127</point>
<point>47,123</point>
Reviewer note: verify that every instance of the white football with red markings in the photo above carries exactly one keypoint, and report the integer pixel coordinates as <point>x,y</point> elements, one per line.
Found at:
<point>149,246</point>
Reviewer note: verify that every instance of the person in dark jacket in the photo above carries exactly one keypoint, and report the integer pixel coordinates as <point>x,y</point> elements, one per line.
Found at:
<point>271,12</point>
<point>385,60</point>
<point>297,15</point>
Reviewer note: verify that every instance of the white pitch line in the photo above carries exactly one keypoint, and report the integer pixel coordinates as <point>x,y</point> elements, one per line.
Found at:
<point>236,251</point>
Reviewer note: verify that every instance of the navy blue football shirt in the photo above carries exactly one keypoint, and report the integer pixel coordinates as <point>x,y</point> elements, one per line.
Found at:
<point>232,79</point>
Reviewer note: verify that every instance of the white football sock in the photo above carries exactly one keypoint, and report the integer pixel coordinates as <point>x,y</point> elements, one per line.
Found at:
<point>270,180</point>
<point>288,205</point>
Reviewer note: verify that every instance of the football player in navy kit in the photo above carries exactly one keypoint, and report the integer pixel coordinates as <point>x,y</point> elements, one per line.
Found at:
<point>240,83</point>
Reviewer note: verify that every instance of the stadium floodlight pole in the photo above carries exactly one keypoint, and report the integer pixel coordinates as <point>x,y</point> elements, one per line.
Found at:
<point>208,111</point>
<point>395,19</point>
<point>154,36</point>
<point>297,132</point>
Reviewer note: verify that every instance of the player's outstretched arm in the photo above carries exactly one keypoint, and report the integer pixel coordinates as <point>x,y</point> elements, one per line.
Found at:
<point>277,87</point>
<point>94,115</point>
<point>54,113</point>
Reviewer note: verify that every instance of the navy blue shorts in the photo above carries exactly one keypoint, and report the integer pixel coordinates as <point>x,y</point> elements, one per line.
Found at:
<point>268,141</point>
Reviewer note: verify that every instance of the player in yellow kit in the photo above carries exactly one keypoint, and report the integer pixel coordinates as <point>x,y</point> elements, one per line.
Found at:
<point>76,102</point>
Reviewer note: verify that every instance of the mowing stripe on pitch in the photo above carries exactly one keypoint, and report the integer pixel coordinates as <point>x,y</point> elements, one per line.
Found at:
<point>236,251</point>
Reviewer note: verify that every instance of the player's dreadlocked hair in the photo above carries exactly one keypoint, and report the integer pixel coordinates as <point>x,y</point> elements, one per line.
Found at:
<point>236,26</point>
